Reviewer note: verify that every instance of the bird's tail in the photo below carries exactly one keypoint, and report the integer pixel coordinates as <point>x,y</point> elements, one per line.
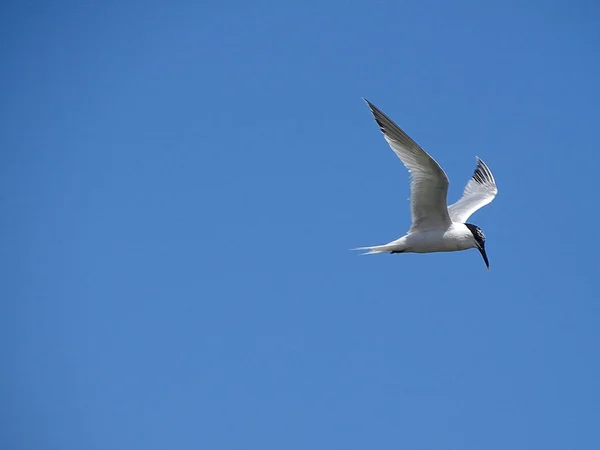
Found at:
<point>387,248</point>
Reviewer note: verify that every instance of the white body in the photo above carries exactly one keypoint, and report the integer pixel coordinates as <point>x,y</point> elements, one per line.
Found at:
<point>456,237</point>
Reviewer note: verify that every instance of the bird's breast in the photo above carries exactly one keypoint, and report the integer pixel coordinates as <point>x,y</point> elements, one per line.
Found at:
<point>450,240</point>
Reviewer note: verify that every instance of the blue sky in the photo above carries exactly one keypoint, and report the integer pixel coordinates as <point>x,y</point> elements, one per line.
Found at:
<point>181,182</point>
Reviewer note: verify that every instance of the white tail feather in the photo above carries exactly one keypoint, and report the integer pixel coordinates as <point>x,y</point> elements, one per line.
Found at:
<point>375,249</point>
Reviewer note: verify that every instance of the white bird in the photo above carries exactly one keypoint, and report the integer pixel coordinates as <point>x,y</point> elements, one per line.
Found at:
<point>435,226</point>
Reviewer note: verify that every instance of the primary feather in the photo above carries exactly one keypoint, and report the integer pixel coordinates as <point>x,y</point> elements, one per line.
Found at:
<point>479,191</point>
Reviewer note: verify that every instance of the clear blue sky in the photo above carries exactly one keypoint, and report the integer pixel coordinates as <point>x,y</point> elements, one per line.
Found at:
<point>181,182</point>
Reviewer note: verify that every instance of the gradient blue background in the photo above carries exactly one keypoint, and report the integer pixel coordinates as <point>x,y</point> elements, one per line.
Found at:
<point>180,185</point>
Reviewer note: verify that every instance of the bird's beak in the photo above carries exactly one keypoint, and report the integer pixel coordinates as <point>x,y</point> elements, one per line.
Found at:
<point>481,249</point>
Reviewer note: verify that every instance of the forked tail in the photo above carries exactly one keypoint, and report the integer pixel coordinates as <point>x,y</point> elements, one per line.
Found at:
<point>387,248</point>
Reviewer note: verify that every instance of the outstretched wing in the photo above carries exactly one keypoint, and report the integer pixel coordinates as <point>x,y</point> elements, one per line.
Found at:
<point>428,182</point>
<point>479,191</point>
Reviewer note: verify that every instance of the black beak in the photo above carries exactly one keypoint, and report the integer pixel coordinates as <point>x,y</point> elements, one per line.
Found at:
<point>481,249</point>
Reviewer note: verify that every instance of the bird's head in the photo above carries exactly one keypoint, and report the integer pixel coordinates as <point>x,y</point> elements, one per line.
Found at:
<point>479,240</point>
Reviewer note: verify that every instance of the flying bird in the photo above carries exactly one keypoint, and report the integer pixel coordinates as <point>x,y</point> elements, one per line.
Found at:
<point>435,227</point>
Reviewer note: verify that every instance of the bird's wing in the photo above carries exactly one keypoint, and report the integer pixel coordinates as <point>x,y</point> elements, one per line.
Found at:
<point>479,191</point>
<point>428,182</point>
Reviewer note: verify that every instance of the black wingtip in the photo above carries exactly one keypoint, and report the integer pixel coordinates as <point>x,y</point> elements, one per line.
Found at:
<point>482,173</point>
<point>376,115</point>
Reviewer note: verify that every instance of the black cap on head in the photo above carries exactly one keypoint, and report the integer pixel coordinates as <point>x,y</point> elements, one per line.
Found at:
<point>480,240</point>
